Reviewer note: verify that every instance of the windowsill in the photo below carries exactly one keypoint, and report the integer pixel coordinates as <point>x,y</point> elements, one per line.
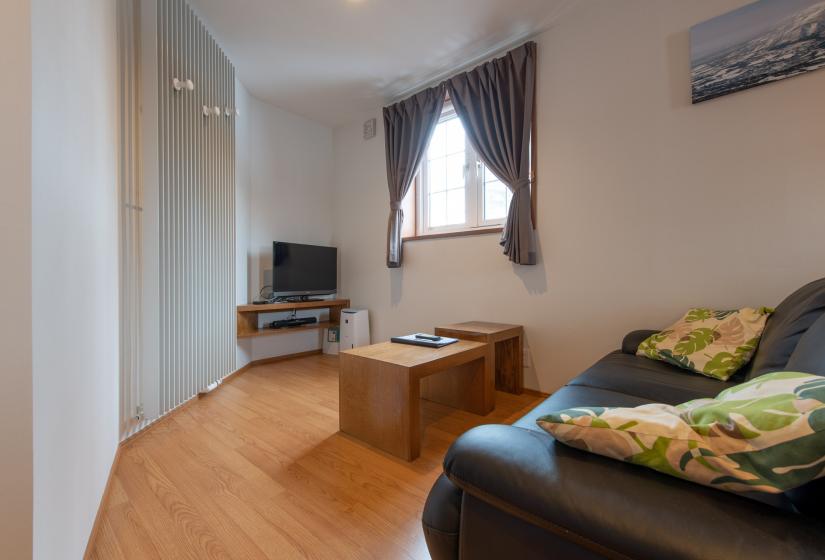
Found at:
<point>462,233</point>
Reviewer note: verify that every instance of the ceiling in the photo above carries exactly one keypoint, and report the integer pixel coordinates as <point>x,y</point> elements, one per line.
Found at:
<point>331,60</point>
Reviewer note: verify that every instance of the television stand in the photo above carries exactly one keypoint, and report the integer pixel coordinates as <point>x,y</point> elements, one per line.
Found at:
<point>247,316</point>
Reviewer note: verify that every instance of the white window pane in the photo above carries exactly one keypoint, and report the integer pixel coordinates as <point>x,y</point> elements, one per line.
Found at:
<point>496,200</point>
<point>455,206</point>
<point>408,206</point>
<point>437,142</point>
<point>438,209</point>
<point>455,170</point>
<point>437,175</point>
<point>455,135</point>
<point>489,176</point>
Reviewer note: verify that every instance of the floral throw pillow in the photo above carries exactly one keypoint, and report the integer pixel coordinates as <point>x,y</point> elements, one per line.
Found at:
<point>713,343</point>
<point>766,435</point>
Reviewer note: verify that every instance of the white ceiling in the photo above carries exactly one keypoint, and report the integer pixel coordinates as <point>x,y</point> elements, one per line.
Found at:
<point>330,60</point>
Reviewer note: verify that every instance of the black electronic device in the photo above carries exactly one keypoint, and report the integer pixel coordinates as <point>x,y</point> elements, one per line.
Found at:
<point>296,299</point>
<point>293,322</point>
<point>300,270</point>
<point>431,337</point>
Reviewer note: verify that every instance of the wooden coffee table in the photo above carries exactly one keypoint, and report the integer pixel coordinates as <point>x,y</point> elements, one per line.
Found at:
<point>508,343</point>
<point>380,387</point>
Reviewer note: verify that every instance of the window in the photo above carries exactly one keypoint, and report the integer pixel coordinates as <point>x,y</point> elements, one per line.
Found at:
<point>454,191</point>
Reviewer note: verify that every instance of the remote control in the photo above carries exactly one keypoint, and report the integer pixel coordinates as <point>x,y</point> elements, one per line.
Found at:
<point>428,337</point>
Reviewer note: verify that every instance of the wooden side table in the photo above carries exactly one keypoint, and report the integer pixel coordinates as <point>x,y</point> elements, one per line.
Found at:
<point>508,347</point>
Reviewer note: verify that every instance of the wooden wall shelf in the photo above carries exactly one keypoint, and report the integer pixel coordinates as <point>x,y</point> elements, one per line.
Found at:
<point>268,331</point>
<point>247,316</point>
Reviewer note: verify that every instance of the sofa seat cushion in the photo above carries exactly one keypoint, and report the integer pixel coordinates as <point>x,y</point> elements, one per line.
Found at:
<point>608,505</point>
<point>649,379</point>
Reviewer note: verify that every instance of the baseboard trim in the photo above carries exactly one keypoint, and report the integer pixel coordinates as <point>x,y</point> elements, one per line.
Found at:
<point>232,375</point>
<point>103,499</point>
<point>275,359</point>
<point>235,373</point>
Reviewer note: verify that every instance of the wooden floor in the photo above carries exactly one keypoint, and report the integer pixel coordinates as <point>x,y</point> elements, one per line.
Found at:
<point>258,469</point>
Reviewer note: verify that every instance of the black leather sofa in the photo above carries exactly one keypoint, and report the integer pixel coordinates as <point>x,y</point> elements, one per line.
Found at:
<point>513,492</point>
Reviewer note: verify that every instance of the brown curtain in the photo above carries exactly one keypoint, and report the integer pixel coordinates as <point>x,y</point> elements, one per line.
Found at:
<point>408,126</point>
<point>495,103</point>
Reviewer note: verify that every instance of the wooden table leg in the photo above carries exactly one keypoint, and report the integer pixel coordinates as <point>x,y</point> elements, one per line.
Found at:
<point>379,404</point>
<point>509,356</point>
<point>470,386</point>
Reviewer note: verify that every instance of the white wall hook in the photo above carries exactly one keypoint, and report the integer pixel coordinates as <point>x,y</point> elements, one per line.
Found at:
<point>207,111</point>
<point>179,85</point>
<point>183,84</point>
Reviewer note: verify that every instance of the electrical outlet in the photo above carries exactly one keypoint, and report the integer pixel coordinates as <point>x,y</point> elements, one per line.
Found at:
<point>139,412</point>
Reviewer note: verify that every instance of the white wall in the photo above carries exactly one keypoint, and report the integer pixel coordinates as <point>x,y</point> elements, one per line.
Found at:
<point>285,188</point>
<point>15,283</point>
<point>646,204</point>
<point>290,184</point>
<point>243,211</point>
<point>75,268</point>
<point>243,208</point>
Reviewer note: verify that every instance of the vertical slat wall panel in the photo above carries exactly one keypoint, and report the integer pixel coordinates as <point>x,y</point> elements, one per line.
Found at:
<point>197,159</point>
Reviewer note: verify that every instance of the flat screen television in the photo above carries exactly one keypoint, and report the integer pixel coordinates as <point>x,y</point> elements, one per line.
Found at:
<point>300,270</point>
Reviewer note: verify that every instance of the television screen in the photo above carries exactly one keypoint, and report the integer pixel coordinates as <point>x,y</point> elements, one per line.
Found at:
<point>304,269</point>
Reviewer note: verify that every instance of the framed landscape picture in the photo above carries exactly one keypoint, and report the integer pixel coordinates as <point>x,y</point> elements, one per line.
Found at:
<point>759,43</point>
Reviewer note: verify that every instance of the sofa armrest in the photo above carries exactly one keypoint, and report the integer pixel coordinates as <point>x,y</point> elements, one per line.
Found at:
<point>633,339</point>
<point>441,519</point>
<point>619,509</point>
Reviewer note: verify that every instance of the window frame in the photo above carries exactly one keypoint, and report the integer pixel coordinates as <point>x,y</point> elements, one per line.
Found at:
<point>473,192</point>
<point>414,202</point>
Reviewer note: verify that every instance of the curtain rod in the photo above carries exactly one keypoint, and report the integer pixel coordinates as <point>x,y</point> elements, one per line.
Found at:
<point>488,55</point>
<point>560,10</point>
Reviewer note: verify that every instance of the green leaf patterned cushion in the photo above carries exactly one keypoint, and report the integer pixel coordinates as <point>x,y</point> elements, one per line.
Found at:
<point>713,343</point>
<point>766,435</point>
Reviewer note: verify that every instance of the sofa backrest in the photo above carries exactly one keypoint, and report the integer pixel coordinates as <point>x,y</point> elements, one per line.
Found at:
<point>786,326</point>
<point>809,354</point>
<point>809,357</point>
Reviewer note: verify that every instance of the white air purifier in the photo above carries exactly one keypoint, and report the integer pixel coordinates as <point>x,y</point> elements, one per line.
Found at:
<point>355,328</point>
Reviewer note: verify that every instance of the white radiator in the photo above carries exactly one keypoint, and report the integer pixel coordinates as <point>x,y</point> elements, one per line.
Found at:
<point>131,219</point>
<point>187,314</point>
<point>197,207</point>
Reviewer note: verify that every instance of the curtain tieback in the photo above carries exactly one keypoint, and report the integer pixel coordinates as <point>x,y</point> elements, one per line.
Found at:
<point>395,206</point>
<point>521,184</point>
